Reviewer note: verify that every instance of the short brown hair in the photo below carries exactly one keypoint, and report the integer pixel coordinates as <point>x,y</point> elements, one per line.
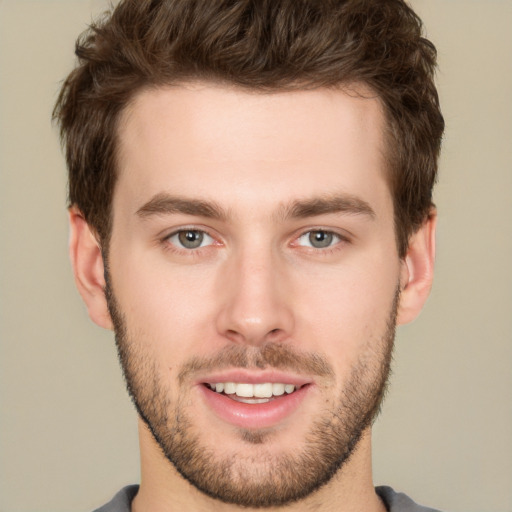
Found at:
<point>264,45</point>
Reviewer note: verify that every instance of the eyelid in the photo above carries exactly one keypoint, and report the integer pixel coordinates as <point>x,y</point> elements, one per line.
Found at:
<point>342,237</point>
<point>205,242</point>
<point>168,232</point>
<point>166,238</point>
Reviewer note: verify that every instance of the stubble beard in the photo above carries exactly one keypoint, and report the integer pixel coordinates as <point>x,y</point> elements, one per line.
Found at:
<point>269,479</point>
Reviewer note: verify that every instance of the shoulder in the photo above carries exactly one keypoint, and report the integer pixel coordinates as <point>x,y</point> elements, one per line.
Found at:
<point>121,502</point>
<point>399,502</point>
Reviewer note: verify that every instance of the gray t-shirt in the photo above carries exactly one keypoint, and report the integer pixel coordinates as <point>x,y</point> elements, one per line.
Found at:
<point>394,501</point>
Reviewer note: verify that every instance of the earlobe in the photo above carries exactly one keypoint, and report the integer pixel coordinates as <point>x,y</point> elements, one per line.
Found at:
<point>417,271</point>
<point>87,262</point>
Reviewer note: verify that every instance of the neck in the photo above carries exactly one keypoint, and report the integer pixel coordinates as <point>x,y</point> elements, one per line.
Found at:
<point>163,489</point>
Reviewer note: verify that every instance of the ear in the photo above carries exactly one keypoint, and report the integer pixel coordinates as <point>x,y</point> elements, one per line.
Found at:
<point>87,263</point>
<point>417,270</point>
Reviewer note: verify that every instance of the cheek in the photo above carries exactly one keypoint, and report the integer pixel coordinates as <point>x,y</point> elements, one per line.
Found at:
<point>345,310</point>
<point>168,312</point>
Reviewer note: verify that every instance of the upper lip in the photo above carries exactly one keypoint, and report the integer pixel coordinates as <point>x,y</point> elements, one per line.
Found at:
<point>253,377</point>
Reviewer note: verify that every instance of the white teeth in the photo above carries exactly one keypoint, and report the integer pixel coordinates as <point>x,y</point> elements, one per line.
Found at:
<point>229,388</point>
<point>244,390</point>
<point>263,390</point>
<point>277,389</point>
<point>252,400</point>
<point>289,388</point>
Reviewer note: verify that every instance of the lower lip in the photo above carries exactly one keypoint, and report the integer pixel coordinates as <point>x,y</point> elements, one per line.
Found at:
<point>253,416</point>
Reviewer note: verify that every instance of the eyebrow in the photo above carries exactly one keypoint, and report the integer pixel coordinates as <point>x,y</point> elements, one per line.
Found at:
<point>165,204</point>
<point>334,203</point>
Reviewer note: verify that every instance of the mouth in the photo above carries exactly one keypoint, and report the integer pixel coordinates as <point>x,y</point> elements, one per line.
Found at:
<point>248,393</point>
<point>254,405</point>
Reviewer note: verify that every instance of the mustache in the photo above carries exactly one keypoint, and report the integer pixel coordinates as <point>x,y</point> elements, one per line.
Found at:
<point>270,355</point>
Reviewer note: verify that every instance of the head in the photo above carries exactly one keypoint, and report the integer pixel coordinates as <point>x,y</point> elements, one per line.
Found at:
<point>256,179</point>
<point>260,46</point>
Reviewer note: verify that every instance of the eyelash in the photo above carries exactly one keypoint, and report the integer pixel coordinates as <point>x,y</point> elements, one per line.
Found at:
<point>339,239</point>
<point>170,246</point>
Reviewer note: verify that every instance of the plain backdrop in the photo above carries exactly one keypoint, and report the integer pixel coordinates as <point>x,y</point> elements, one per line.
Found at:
<point>68,431</point>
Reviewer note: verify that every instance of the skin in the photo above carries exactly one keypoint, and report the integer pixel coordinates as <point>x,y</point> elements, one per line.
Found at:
<point>256,280</point>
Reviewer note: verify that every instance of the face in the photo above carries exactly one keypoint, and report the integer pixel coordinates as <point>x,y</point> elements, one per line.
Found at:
<point>253,282</point>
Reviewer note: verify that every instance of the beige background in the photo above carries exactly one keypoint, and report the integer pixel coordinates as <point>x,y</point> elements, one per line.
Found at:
<point>68,432</point>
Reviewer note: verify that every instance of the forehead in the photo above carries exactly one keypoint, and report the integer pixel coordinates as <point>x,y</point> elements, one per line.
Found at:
<point>211,141</point>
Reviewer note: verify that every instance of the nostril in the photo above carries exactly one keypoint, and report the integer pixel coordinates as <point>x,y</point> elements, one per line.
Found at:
<point>275,335</point>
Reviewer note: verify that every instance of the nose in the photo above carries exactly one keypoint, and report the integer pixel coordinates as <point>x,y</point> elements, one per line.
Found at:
<point>255,301</point>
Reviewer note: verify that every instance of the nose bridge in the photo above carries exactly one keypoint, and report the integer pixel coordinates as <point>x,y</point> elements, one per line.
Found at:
<point>255,304</point>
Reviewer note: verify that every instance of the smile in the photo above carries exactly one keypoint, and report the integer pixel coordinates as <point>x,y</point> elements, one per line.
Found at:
<point>252,393</point>
<point>254,405</point>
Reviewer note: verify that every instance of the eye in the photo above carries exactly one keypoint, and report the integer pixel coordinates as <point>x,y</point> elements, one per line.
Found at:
<point>190,239</point>
<point>319,239</point>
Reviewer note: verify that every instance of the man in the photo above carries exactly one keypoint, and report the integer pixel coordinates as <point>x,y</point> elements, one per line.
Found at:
<point>250,188</point>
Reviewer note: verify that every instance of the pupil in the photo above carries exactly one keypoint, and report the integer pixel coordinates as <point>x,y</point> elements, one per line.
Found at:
<point>191,239</point>
<point>320,239</point>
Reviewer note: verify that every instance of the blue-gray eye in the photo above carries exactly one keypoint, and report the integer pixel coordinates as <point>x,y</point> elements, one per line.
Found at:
<point>318,239</point>
<point>191,239</point>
